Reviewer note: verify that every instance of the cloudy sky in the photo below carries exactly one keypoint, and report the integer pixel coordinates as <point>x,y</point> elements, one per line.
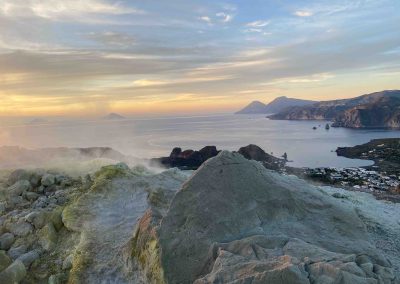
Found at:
<point>90,57</point>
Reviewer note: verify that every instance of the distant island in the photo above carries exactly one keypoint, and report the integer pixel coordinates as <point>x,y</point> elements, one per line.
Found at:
<point>114,116</point>
<point>277,105</point>
<point>37,121</point>
<point>376,110</point>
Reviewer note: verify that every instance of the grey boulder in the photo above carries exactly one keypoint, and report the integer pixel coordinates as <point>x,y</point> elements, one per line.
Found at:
<point>6,241</point>
<point>236,222</point>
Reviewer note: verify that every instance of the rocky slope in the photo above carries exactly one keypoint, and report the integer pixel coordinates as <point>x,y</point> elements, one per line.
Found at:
<point>381,109</point>
<point>57,229</point>
<point>232,221</point>
<point>277,105</point>
<point>236,222</point>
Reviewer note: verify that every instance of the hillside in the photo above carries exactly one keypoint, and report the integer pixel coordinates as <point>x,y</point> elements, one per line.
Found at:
<point>277,105</point>
<point>376,110</point>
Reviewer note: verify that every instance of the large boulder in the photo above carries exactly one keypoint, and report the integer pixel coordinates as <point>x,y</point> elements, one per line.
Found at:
<point>17,251</point>
<point>48,237</point>
<point>21,228</point>
<point>5,260</point>
<point>48,180</point>
<point>14,273</point>
<point>17,175</point>
<point>28,258</point>
<point>6,241</point>
<point>236,222</point>
<point>19,187</point>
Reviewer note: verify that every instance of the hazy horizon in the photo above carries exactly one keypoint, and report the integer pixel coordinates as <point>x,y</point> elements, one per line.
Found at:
<point>90,58</point>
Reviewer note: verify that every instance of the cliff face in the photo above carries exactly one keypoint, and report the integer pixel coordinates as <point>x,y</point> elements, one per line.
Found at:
<point>383,113</point>
<point>314,112</point>
<point>379,110</point>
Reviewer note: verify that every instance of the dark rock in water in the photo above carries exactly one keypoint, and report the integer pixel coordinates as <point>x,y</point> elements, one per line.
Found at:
<point>188,159</point>
<point>209,152</point>
<point>192,160</point>
<point>234,221</point>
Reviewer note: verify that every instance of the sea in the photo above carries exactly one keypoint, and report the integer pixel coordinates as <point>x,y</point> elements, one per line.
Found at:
<point>155,137</point>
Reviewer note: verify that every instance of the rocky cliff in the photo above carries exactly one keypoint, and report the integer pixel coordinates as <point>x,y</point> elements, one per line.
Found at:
<point>383,113</point>
<point>234,221</point>
<point>379,110</point>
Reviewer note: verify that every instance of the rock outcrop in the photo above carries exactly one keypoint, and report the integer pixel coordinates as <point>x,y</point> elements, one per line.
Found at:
<point>186,160</point>
<point>192,160</point>
<point>234,221</point>
<point>253,152</point>
<point>383,113</point>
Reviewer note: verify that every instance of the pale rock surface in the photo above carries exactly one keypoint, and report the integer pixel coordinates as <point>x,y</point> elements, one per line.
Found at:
<point>21,228</point>
<point>236,222</point>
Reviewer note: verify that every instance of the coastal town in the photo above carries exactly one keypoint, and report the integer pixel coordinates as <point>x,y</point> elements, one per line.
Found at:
<point>359,179</point>
<point>382,179</point>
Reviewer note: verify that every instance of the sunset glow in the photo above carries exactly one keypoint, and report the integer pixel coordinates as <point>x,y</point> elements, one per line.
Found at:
<point>87,58</point>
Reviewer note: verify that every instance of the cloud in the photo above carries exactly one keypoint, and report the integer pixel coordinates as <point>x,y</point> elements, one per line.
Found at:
<point>257,24</point>
<point>303,13</point>
<point>112,38</point>
<point>253,30</point>
<point>225,18</point>
<point>50,51</point>
<point>205,19</point>
<point>60,10</point>
<point>313,78</point>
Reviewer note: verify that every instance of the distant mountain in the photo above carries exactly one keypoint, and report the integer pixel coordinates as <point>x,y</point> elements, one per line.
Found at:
<point>113,116</point>
<point>376,110</point>
<point>277,105</point>
<point>281,103</point>
<point>254,107</point>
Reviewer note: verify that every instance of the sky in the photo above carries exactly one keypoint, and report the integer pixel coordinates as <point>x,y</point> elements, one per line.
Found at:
<point>91,57</point>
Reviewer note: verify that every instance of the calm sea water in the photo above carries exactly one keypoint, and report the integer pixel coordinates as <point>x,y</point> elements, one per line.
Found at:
<point>146,138</point>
